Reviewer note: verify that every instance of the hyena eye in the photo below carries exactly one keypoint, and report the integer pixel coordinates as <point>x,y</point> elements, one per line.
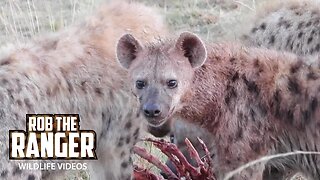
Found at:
<point>140,84</point>
<point>172,84</point>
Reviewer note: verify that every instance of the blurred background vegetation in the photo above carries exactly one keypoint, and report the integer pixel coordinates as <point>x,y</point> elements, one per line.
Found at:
<point>212,19</point>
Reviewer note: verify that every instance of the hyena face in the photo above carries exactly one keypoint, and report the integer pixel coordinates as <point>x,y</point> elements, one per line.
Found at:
<point>161,73</point>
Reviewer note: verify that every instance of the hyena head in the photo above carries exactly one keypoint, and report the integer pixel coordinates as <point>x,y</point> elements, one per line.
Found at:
<point>161,73</point>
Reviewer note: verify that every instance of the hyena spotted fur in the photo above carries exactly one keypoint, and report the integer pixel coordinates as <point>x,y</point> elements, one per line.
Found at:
<point>292,26</point>
<point>289,25</point>
<point>255,102</point>
<point>75,71</point>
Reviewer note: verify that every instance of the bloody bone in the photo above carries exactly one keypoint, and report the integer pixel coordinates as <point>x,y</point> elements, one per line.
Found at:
<point>202,171</point>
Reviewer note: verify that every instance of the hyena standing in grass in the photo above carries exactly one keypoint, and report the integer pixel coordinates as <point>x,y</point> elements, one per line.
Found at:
<point>289,25</point>
<point>255,102</point>
<point>75,71</point>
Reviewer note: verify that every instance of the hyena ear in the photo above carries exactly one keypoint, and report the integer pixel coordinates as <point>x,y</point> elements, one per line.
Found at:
<point>127,49</point>
<point>193,48</point>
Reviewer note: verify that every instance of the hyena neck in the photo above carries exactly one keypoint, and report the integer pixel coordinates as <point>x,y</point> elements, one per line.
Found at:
<point>202,104</point>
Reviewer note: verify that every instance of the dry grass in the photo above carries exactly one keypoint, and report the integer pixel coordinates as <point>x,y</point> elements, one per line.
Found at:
<point>212,19</point>
<point>23,19</point>
<point>267,158</point>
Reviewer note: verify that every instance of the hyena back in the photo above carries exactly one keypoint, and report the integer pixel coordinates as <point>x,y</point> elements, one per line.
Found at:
<point>254,101</point>
<point>75,72</point>
<point>291,25</point>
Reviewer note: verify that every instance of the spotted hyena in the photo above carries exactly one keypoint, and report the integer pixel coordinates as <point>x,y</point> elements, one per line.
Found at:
<point>276,26</point>
<point>75,71</point>
<point>283,25</point>
<point>254,101</point>
<point>289,25</point>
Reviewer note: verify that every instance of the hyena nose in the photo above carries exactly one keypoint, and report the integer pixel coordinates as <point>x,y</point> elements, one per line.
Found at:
<point>151,110</point>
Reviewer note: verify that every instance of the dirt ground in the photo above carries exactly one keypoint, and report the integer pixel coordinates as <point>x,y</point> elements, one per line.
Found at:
<point>214,20</point>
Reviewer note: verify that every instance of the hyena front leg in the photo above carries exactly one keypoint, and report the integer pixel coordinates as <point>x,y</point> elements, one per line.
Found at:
<point>231,158</point>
